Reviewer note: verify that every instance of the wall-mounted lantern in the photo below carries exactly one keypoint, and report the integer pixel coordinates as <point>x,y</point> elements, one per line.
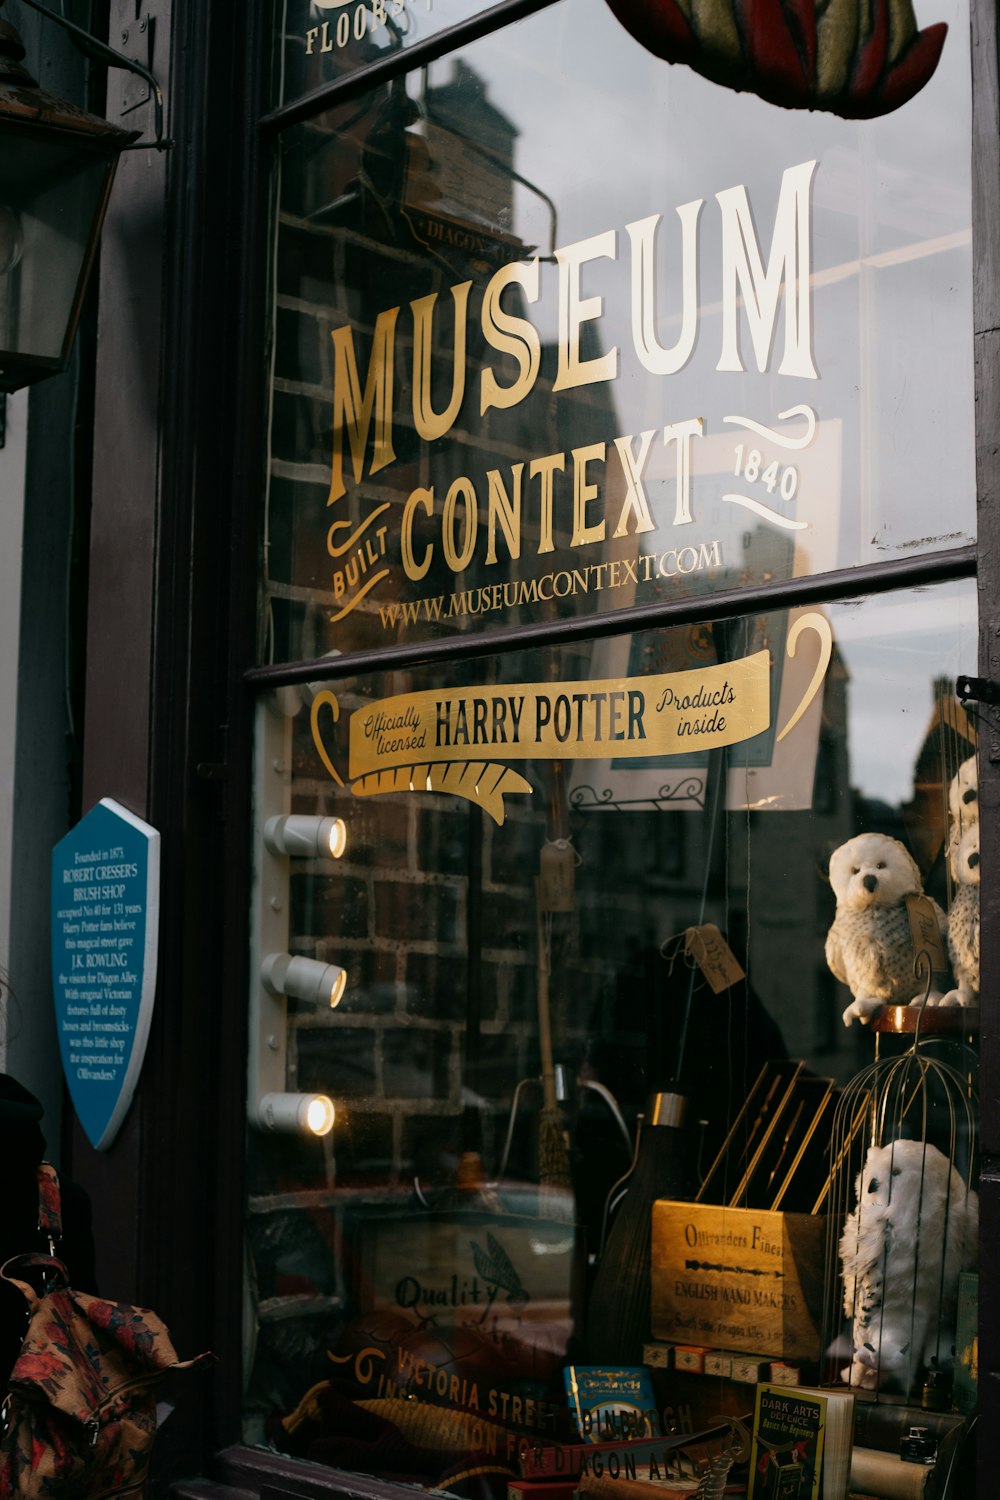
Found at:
<point>57,163</point>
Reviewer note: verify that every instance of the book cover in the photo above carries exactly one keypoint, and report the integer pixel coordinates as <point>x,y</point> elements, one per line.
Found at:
<point>609,1403</point>
<point>967,1342</point>
<point>802,1439</point>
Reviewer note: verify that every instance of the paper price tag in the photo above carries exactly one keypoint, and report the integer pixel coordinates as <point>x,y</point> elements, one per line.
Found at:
<point>925,932</point>
<point>557,877</point>
<point>713,955</point>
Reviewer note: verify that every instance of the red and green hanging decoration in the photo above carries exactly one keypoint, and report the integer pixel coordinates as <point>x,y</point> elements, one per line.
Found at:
<point>856,58</point>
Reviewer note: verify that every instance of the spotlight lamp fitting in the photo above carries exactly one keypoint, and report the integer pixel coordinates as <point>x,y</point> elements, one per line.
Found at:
<point>306,837</point>
<point>309,1114</point>
<point>305,979</point>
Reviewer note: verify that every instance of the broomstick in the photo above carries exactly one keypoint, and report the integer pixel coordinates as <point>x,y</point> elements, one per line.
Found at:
<point>618,1316</point>
<point>553,1163</point>
<point>553,893</point>
<point>470,1189</point>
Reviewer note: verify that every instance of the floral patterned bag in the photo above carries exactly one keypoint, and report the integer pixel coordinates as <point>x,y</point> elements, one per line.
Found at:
<point>79,1418</point>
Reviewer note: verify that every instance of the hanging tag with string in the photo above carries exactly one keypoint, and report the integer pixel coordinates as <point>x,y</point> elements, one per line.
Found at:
<point>557,875</point>
<point>925,932</point>
<point>713,955</point>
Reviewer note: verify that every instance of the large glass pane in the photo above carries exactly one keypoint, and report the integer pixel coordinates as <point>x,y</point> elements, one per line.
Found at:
<point>555,902</point>
<point>559,328</point>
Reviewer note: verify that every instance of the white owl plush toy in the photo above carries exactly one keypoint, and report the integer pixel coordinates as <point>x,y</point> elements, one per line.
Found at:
<point>963,805</point>
<point>963,920</point>
<point>963,796</point>
<point>869,947</point>
<point>914,1228</point>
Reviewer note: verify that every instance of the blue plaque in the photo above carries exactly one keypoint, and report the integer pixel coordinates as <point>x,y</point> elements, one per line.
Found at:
<point>105,928</point>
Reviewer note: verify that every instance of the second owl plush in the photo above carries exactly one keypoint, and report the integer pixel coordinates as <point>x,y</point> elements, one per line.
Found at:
<point>963,797</point>
<point>869,947</point>
<point>963,805</point>
<point>913,1229</point>
<point>963,921</point>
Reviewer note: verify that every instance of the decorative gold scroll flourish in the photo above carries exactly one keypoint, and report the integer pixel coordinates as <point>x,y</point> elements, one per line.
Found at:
<point>821,625</point>
<point>339,549</point>
<point>773,435</point>
<point>321,700</point>
<point>783,440</point>
<point>478,781</point>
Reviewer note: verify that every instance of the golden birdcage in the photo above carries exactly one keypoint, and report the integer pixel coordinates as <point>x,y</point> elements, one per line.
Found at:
<point>903,1211</point>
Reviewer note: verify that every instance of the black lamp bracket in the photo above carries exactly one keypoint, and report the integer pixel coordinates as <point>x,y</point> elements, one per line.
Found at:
<point>978,690</point>
<point>100,52</point>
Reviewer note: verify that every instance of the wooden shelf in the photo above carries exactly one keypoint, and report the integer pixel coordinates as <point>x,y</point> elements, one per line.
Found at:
<point>933,1020</point>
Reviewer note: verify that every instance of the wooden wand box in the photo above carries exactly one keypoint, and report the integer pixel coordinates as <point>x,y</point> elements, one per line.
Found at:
<point>738,1278</point>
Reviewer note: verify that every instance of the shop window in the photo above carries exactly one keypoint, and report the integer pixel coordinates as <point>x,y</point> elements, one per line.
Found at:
<point>568,1060</point>
<point>433,1261</point>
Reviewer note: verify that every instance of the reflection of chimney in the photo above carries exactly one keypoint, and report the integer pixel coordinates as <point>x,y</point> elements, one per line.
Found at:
<point>948,740</point>
<point>767,553</point>
<point>461,105</point>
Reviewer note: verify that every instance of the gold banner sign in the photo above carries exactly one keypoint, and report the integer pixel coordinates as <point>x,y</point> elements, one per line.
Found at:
<point>461,740</point>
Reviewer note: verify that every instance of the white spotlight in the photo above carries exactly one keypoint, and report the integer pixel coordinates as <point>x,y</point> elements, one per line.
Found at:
<point>312,1113</point>
<point>306,837</point>
<point>304,979</point>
